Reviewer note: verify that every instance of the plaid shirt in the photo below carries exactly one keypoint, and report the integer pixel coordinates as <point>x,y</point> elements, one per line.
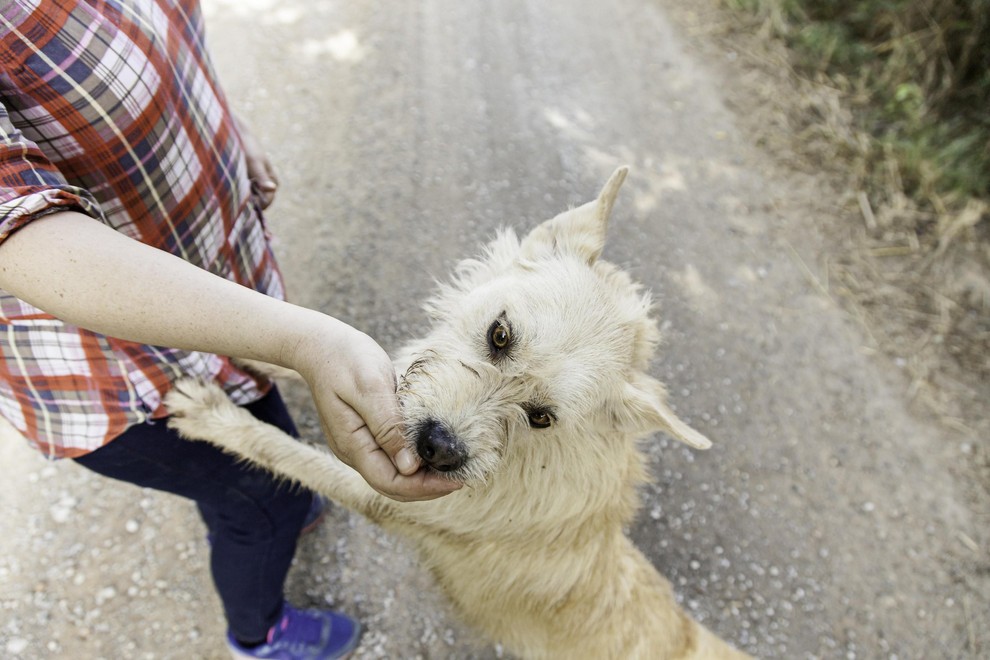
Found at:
<point>112,108</point>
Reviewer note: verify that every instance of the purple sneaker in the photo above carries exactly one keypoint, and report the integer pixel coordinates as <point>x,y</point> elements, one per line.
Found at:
<point>304,634</point>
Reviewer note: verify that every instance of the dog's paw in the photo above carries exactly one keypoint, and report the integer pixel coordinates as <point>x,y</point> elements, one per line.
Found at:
<point>196,408</point>
<point>191,397</point>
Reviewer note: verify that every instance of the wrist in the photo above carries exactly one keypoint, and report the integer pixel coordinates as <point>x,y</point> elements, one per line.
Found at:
<point>316,340</point>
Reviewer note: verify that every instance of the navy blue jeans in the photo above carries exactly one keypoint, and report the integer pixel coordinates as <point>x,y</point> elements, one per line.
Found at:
<point>253,519</point>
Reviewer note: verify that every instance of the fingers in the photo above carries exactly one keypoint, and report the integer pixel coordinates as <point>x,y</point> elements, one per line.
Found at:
<point>360,449</point>
<point>261,173</point>
<point>381,475</point>
<point>264,183</point>
<point>354,388</point>
<point>391,440</point>
<point>384,420</point>
<point>376,406</point>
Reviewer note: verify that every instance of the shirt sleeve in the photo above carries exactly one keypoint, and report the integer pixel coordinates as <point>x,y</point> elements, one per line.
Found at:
<point>30,185</point>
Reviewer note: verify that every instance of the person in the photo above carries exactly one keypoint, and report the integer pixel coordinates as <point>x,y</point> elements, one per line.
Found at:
<point>133,252</point>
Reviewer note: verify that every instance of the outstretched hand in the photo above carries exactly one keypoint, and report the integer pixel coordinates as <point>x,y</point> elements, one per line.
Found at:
<point>353,385</point>
<point>50,264</point>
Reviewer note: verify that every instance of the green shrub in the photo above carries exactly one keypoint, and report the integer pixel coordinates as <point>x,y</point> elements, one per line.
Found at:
<point>926,65</point>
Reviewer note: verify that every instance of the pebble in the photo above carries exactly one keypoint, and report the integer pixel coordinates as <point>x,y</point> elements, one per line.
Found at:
<point>105,594</point>
<point>16,645</point>
<point>61,511</point>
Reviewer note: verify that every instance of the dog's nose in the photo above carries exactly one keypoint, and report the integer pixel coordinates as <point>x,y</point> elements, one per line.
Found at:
<point>439,448</point>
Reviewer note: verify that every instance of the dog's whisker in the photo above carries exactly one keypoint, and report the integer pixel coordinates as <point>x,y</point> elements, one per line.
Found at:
<point>581,341</point>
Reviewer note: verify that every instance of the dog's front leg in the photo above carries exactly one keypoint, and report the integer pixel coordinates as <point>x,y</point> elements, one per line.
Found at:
<point>202,411</point>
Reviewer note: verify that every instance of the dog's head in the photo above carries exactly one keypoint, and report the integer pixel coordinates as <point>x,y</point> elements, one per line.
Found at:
<point>537,349</point>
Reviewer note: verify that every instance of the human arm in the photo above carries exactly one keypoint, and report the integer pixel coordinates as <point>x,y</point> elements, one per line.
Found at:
<point>87,274</point>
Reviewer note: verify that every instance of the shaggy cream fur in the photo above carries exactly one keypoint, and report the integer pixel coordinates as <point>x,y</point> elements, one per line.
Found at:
<point>534,375</point>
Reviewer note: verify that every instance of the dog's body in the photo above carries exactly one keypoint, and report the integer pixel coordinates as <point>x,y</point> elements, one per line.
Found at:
<point>531,388</point>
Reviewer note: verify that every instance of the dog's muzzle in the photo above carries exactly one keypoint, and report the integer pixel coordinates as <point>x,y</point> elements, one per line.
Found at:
<point>439,448</point>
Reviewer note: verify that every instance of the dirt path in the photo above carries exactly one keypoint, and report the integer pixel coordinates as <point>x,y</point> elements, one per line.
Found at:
<point>826,522</point>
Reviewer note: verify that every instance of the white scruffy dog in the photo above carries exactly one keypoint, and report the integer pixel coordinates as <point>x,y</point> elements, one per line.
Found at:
<point>532,389</point>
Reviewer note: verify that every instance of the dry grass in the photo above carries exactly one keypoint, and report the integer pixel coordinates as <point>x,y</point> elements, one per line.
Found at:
<point>893,105</point>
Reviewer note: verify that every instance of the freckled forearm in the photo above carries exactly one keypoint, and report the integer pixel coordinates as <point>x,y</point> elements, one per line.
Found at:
<point>85,273</point>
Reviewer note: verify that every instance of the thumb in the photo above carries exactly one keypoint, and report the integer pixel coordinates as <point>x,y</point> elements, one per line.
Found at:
<point>383,416</point>
<point>393,442</point>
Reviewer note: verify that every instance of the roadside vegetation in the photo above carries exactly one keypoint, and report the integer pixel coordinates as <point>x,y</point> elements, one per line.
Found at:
<point>917,73</point>
<point>896,98</point>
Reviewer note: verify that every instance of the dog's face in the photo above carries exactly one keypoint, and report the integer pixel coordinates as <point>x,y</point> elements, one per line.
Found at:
<point>534,349</point>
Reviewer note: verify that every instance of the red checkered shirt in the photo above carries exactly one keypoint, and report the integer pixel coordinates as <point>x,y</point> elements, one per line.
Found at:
<point>113,109</point>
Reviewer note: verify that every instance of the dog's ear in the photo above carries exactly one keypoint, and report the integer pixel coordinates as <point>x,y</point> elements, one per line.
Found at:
<point>644,409</point>
<point>579,231</point>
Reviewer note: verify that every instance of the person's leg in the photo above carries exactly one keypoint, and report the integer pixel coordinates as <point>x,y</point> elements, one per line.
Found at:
<point>253,519</point>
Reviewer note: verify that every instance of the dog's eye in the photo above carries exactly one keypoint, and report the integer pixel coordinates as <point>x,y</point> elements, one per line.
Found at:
<point>540,419</point>
<point>499,336</point>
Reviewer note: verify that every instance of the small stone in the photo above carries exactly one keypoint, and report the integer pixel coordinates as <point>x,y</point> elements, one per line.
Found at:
<point>60,514</point>
<point>105,594</point>
<point>16,645</point>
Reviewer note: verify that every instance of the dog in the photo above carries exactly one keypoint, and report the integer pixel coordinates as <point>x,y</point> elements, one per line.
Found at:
<point>531,388</point>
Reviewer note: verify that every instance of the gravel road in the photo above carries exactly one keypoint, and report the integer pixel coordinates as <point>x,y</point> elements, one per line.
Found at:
<point>828,521</point>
